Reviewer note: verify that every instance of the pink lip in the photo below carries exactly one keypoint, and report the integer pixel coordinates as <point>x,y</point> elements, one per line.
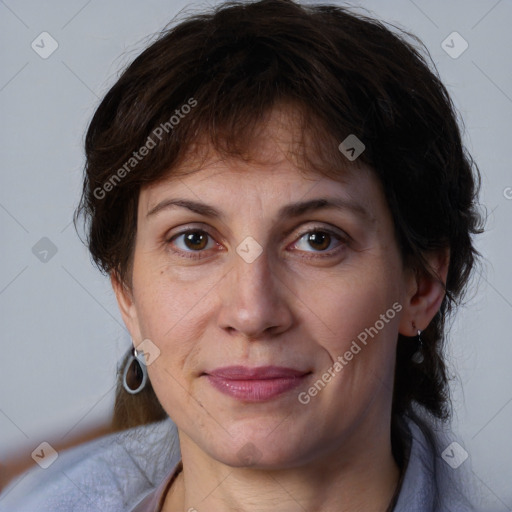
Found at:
<point>255,384</point>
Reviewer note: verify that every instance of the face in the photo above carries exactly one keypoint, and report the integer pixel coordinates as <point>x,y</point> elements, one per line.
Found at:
<point>275,301</point>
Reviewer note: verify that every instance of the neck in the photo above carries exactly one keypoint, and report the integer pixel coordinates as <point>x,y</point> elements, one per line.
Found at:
<point>346,479</point>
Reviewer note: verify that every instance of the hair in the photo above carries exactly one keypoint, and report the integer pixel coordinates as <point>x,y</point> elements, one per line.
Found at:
<point>217,76</point>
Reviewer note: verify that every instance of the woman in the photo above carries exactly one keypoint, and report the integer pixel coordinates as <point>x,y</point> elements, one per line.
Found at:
<point>282,201</point>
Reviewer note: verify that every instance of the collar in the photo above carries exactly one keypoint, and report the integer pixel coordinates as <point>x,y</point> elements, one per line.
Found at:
<point>154,501</point>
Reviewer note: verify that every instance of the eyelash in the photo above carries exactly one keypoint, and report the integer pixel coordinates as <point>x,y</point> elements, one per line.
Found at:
<point>310,254</point>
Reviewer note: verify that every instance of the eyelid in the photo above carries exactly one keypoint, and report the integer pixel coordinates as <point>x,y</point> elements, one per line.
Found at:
<point>187,228</point>
<point>337,232</point>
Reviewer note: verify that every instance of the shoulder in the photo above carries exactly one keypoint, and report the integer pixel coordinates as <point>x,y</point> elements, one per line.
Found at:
<point>429,483</point>
<point>108,474</point>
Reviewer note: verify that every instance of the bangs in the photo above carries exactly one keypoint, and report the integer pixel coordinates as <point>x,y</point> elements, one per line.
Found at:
<point>286,130</point>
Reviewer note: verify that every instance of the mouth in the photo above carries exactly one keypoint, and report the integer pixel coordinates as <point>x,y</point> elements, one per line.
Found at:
<point>258,384</point>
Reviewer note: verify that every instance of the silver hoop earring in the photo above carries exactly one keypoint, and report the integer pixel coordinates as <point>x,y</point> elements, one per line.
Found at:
<point>135,374</point>
<point>418,357</point>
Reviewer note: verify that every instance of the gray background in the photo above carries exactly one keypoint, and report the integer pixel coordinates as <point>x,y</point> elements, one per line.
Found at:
<point>61,332</point>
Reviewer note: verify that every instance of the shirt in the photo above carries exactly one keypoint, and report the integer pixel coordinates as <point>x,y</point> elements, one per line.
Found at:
<point>131,471</point>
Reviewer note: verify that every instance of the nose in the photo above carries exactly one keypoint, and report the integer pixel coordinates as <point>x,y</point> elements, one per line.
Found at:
<point>254,301</point>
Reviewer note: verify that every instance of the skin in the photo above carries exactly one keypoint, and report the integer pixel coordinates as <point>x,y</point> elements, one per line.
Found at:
<point>298,305</point>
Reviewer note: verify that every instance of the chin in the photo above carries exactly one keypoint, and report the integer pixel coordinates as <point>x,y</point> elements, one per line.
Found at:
<point>261,451</point>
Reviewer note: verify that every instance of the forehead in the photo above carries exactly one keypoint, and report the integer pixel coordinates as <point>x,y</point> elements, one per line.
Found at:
<point>242,192</point>
<point>280,155</point>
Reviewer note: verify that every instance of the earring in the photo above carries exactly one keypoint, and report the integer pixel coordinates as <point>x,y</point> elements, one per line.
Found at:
<point>418,357</point>
<point>135,374</point>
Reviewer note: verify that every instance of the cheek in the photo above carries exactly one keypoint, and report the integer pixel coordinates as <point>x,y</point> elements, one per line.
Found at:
<point>361,307</point>
<point>166,303</point>
<point>173,314</point>
<point>358,336</point>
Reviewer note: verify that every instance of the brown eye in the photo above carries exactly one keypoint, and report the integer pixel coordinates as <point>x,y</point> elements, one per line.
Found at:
<point>323,242</point>
<point>196,240</point>
<point>319,240</point>
<point>193,243</point>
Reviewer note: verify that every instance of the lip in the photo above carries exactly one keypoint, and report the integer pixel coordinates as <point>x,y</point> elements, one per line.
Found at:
<point>258,384</point>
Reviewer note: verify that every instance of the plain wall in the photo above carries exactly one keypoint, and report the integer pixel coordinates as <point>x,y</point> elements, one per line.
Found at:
<point>62,335</point>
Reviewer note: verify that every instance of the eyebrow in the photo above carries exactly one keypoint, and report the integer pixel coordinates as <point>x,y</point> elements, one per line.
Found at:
<point>291,210</point>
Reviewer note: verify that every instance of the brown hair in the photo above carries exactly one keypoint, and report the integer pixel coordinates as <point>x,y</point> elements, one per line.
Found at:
<point>218,75</point>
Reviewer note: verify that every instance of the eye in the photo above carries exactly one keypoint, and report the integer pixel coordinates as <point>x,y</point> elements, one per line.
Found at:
<point>192,240</point>
<point>192,243</point>
<point>320,240</point>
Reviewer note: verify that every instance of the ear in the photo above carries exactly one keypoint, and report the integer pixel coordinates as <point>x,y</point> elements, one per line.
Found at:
<point>126,305</point>
<point>425,293</point>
